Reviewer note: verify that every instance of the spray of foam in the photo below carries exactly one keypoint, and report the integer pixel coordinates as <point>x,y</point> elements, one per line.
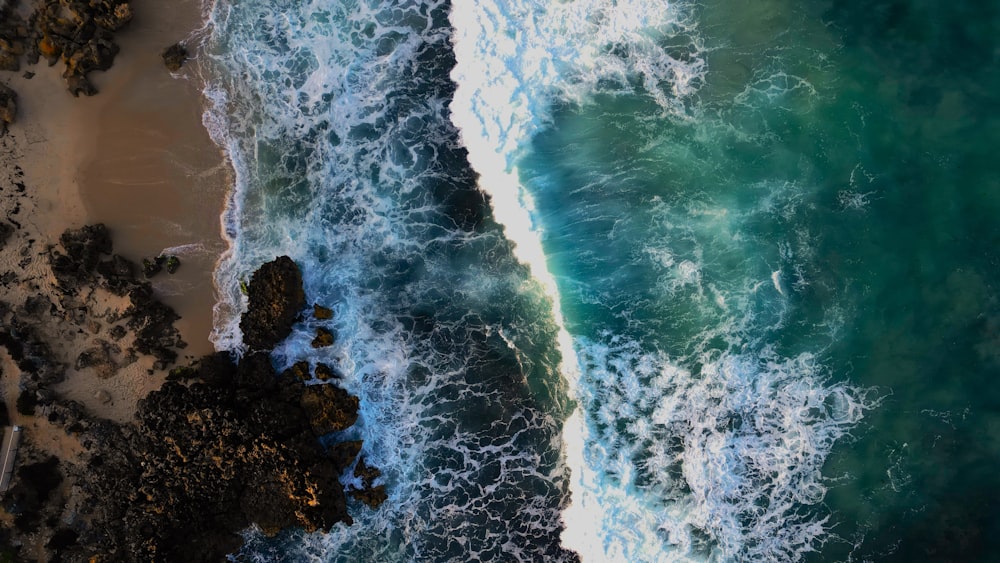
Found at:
<point>513,60</point>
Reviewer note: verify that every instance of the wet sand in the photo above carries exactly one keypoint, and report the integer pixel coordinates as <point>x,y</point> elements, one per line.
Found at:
<point>152,174</point>
<point>137,158</point>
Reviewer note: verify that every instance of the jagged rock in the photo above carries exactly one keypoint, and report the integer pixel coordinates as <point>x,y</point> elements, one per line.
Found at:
<point>78,84</point>
<point>322,313</point>
<point>366,473</point>
<point>152,267</point>
<point>8,106</point>
<point>153,323</point>
<point>299,370</point>
<point>6,229</point>
<point>323,338</point>
<point>86,245</point>
<point>325,372</point>
<point>371,496</point>
<point>174,56</point>
<point>117,332</point>
<point>172,264</point>
<point>118,274</point>
<point>275,298</point>
<point>98,357</point>
<point>9,61</point>
<point>329,408</point>
<point>112,16</point>
<point>343,454</point>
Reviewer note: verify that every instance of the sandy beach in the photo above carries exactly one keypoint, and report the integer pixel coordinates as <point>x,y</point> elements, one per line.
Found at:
<point>136,158</point>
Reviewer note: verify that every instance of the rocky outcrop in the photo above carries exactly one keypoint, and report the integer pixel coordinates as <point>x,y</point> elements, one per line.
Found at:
<point>323,338</point>
<point>275,300</point>
<point>80,33</point>
<point>206,460</point>
<point>221,445</point>
<point>81,266</point>
<point>174,57</point>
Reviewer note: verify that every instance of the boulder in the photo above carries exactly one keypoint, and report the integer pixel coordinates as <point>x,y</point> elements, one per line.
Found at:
<point>323,338</point>
<point>172,263</point>
<point>322,313</point>
<point>174,56</point>
<point>325,372</point>
<point>275,299</point>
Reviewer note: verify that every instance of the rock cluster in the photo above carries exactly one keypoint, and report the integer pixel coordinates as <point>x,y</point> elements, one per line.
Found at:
<point>82,265</point>
<point>222,445</point>
<point>79,33</point>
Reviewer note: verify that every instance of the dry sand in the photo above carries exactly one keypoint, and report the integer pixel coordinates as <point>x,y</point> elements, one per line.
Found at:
<point>137,158</point>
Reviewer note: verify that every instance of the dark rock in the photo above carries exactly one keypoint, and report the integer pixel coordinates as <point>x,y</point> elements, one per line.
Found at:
<point>111,15</point>
<point>26,403</point>
<point>299,370</point>
<point>153,323</point>
<point>6,229</point>
<point>172,264</point>
<point>86,245</point>
<point>275,298</point>
<point>117,332</point>
<point>118,274</point>
<point>343,454</point>
<point>323,338</point>
<point>325,372</point>
<point>371,496</point>
<point>322,313</point>
<point>329,408</point>
<point>9,61</point>
<point>366,473</point>
<point>174,56</point>
<point>78,84</point>
<point>152,267</point>
<point>8,106</point>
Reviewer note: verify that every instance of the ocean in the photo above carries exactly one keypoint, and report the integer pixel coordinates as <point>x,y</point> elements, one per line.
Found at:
<point>632,280</point>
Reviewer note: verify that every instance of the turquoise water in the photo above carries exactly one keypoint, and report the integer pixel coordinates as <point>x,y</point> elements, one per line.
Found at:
<point>751,247</point>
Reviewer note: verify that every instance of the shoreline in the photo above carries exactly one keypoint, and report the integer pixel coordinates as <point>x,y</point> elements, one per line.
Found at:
<point>136,158</point>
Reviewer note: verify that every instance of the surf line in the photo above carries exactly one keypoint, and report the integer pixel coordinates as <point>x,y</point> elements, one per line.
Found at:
<point>512,207</point>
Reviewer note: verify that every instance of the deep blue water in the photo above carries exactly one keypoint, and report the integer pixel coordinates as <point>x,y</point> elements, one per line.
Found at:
<point>634,280</point>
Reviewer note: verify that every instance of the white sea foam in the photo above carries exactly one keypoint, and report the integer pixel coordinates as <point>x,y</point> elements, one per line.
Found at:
<point>715,455</point>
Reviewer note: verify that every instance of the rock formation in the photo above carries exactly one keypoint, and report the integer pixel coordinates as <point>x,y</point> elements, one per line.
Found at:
<point>223,444</point>
<point>174,57</point>
<point>275,300</point>
<point>80,33</point>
